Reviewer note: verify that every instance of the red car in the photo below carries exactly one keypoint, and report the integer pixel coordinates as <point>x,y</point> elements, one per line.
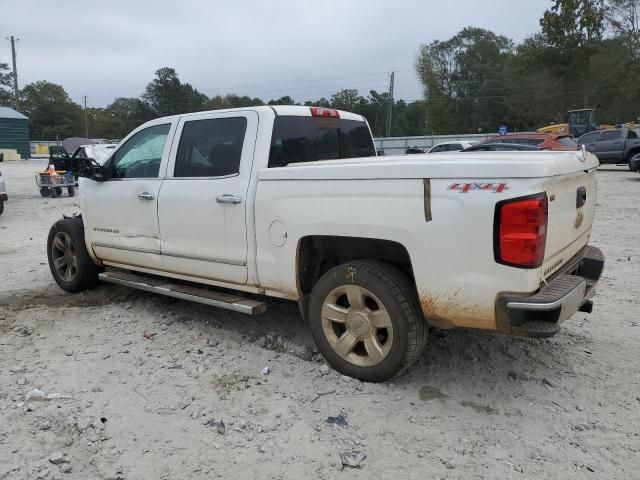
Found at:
<point>545,141</point>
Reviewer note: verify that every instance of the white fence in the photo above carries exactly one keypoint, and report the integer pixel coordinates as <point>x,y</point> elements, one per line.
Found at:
<point>399,145</point>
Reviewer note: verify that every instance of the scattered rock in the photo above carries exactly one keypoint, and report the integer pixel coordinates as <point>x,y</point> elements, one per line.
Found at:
<point>218,425</point>
<point>84,423</point>
<point>337,421</point>
<point>448,463</point>
<point>57,458</point>
<point>352,458</point>
<point>324,370</point>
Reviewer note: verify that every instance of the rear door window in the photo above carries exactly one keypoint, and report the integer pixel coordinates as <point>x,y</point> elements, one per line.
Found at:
<point>298,139</point>
<point>611,135</point>
<point>210,147</point>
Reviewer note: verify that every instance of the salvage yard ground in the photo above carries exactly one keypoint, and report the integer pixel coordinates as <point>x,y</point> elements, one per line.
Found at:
<point>153,387</point>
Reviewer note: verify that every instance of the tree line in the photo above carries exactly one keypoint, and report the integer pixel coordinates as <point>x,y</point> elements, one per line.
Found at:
<point>586,54</point>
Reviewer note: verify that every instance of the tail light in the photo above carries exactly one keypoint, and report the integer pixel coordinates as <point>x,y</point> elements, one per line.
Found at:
<point>324,112</point>
<point>520,231</point>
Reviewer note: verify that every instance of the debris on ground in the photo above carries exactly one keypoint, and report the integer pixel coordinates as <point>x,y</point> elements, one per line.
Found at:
<point>337,421</point>
<point>37,394</point>
<point>218,425</point>
<point>352,458</point>
<point>57,458</point>
<point>265,371</point>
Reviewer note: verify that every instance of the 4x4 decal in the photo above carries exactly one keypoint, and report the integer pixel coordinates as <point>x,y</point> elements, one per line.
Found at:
<point>467,187</point>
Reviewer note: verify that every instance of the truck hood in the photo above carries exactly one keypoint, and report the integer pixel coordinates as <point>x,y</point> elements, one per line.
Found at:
<point>451,165</point>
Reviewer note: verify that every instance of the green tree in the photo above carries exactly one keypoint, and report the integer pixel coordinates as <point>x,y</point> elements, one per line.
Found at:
<point>286,100</point>
<point>167,95</point>
<point>573,27</point>
<point>232,101</point>
<point>6,83</point>
<point>464,81</point>
<point>623,17</point>
<point>347,99</point>
<point>123,115</point>
<point>51,112</point>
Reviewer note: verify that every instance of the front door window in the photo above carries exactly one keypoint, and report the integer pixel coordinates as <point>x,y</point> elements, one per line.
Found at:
<point>141,155</point>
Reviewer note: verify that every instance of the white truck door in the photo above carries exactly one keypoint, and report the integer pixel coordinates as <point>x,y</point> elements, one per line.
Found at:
<point>120,214</point>
<point>202,207</point>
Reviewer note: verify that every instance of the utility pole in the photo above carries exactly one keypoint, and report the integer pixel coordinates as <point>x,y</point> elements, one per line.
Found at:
<point>16,104</point>
<point>86,121</point>
<point>390,106</point>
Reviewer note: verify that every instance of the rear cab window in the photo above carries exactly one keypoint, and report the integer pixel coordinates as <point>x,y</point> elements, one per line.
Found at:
<point>301,139</point>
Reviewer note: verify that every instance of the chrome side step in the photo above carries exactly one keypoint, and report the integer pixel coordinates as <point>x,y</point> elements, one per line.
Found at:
<point>185,292</point>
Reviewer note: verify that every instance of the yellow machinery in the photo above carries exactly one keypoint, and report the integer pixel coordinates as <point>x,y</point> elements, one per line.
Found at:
<point>579,123</point>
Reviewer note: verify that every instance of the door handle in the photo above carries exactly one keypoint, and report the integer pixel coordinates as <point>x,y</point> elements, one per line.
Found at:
<point>146,196</point>
<point>228,198</point>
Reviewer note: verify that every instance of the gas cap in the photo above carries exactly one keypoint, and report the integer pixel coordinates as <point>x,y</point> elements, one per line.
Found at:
<point>277,233</point>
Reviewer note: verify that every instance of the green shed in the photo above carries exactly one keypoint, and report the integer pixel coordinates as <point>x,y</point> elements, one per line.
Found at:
<point>14,131</point>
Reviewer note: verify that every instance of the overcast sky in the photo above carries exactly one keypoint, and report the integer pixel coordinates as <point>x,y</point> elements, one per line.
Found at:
<point>305,48</point>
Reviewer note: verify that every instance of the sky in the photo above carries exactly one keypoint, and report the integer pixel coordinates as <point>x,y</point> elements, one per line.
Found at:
<point>306,48</point>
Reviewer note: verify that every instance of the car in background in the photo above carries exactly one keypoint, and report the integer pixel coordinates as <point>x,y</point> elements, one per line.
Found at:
<point>501,147</point>
<point>544,141</point>
<point>3,193</point>
<point>455,146</point>
<point>617,145</point>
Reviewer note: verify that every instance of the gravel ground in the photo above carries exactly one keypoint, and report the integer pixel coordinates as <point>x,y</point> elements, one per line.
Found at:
<point>152,387</point>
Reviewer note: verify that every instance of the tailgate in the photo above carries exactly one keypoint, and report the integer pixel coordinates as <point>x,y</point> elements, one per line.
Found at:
<point>572,201</point>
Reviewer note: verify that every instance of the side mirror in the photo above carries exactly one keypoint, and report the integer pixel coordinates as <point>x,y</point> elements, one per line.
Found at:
<point>89,168</point>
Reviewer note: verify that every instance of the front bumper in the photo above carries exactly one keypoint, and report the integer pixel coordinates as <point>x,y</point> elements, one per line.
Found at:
<point>569,291</point>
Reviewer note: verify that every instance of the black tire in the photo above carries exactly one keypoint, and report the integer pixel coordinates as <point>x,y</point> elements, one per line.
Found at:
<point>71,191</point>
<point>72,275</point>
<point>393,289</point>
<point>58,191</point>
<point>1,207</point>
<point>53,192</point>
<point>44,191</point>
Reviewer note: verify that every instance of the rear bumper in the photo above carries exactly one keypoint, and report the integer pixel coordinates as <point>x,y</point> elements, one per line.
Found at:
<point>542,313</point>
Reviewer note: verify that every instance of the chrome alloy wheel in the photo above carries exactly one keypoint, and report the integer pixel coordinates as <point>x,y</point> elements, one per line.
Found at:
<point>357,325</point>
<point>64,257</point>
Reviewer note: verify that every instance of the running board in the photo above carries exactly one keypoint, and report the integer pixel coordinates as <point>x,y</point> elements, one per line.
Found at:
<point>185,292</point>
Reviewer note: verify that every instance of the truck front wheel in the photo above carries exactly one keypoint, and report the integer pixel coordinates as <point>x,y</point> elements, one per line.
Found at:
<point>366,320</point>
<point>69,261</point>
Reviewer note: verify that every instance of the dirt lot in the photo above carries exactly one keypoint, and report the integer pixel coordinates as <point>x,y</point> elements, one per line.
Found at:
<point>477,406</point>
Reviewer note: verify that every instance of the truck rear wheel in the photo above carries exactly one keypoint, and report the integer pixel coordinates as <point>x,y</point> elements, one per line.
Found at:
<point>69,261</point>
<point>366,320</point>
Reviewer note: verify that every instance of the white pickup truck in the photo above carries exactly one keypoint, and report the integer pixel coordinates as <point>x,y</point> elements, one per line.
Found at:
<point>224,207</point>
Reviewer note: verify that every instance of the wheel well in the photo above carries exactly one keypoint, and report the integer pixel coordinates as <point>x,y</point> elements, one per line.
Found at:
<point>318,254</point>
<point>632,152</point>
